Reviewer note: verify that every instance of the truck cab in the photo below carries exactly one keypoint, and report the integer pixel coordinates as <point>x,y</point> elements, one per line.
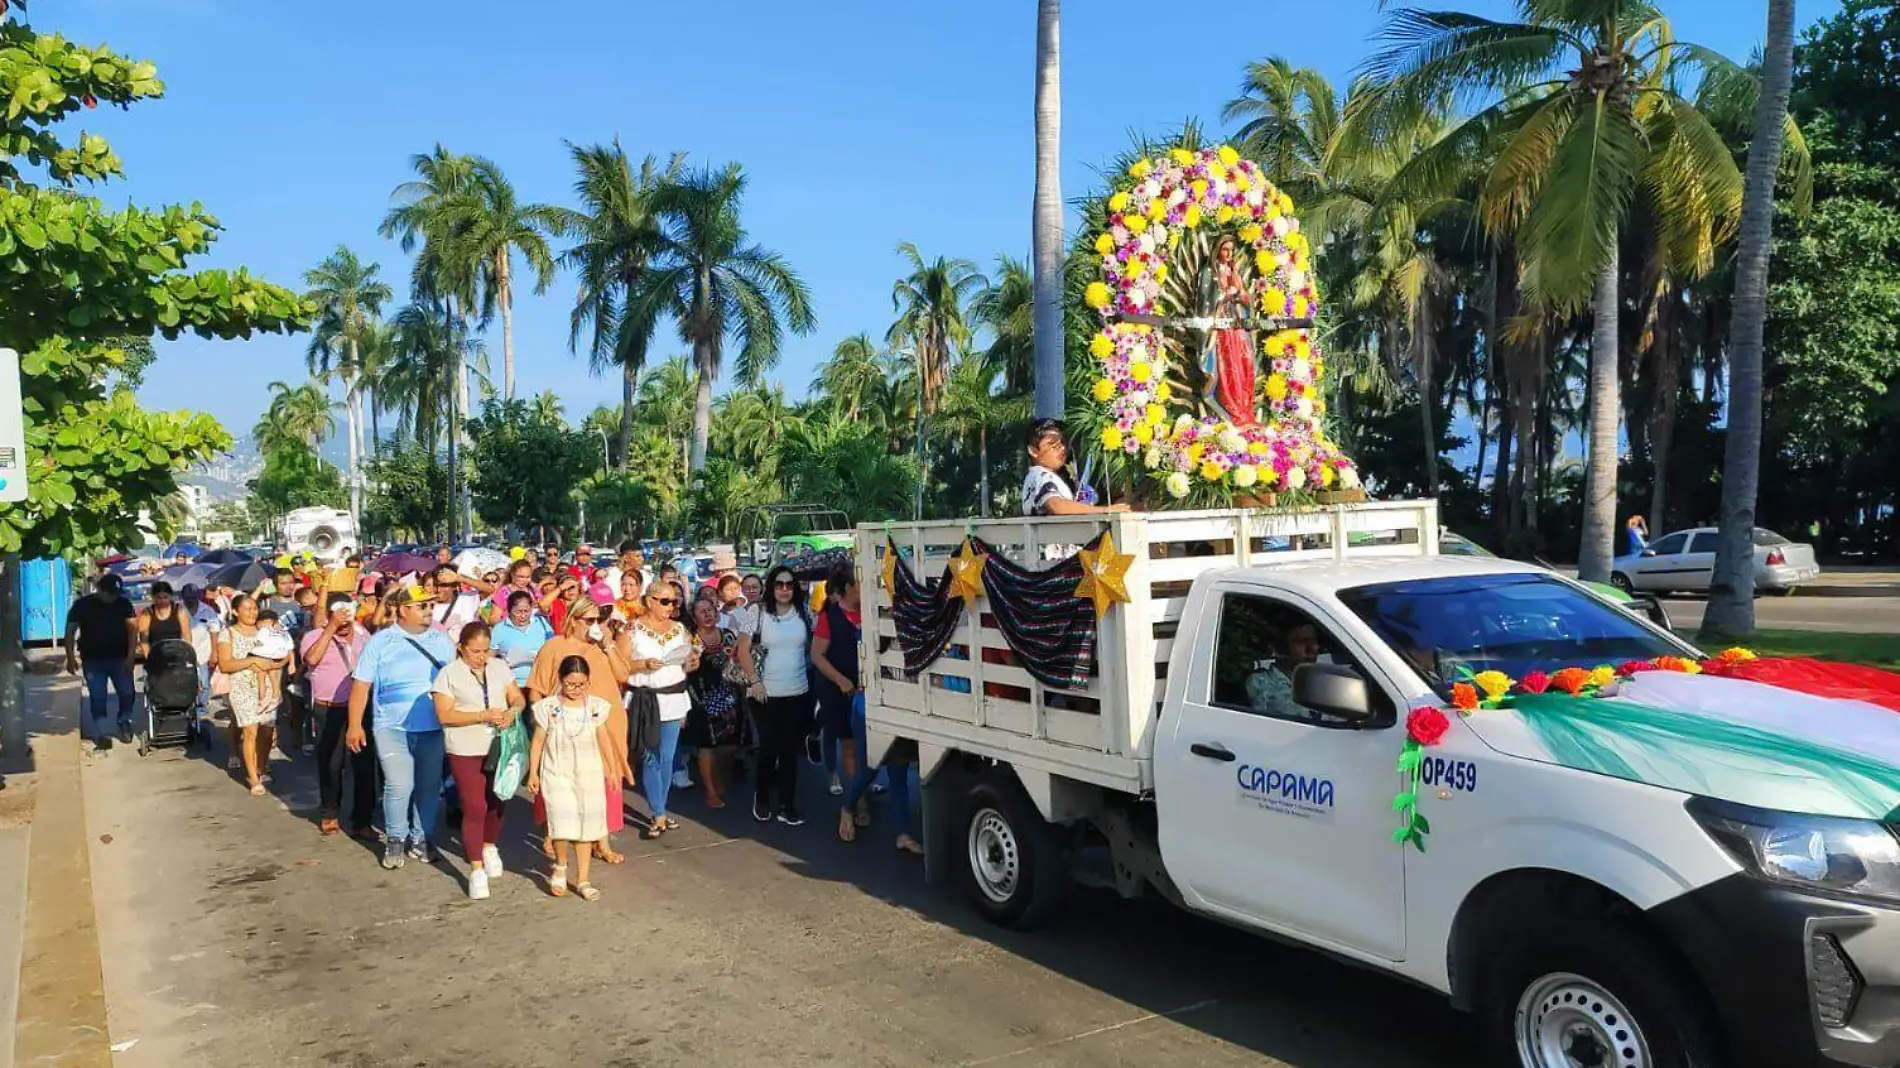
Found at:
<point>1680,904</point>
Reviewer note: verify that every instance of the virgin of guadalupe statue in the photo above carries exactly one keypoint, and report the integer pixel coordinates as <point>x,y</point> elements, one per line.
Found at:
<point>1228,362</point>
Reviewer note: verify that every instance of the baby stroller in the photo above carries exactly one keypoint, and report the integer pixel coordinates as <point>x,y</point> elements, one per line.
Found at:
<point>171,696</point>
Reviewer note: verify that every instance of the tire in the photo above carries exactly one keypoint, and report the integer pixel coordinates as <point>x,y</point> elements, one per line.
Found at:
<point>1013,867</point>
<point>1621,582</point>
<point>1785,591</point>
<point>1604,992</point>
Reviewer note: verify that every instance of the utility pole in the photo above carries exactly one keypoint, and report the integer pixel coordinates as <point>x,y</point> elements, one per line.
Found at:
<point>13,491</point>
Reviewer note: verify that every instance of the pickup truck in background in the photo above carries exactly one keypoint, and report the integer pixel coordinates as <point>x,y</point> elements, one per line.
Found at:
<point>1235,752</point>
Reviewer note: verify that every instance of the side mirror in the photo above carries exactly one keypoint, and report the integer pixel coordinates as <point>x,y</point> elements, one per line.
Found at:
<point>1649,552</point>
<point>1334,689</point>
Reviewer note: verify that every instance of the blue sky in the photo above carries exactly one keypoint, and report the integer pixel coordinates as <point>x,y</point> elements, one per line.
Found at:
<point>860,124</point>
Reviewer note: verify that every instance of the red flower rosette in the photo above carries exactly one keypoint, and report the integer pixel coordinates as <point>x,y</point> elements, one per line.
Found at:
<point>1534,682</point>
<point>1632,667</point>
<point>1427,726</point>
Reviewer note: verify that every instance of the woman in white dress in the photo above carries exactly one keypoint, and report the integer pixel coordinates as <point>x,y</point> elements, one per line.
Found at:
<point>566,767</point>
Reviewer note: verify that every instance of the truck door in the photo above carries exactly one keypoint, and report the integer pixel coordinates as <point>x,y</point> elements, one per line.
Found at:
<point>1270,812</point>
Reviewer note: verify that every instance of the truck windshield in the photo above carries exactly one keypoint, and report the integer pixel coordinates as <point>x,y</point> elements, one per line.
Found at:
<point>1509,623</point>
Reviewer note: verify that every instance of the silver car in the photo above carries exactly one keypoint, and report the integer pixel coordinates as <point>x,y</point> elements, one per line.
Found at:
<point>1685,560</point>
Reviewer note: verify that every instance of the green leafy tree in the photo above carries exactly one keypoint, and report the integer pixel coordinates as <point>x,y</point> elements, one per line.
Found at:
<point>408,492</point>
<point>350,298</point>
<point>75,274</point>
<point>1006,307</point>
<point>296,416</point>
<point>972,408</point>
<point>524,466</point>
<point>488,226</point>
<point>714,284</point>
<point>294,476</point>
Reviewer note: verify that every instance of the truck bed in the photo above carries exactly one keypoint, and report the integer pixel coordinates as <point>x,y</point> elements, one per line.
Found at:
<point>983,702</point>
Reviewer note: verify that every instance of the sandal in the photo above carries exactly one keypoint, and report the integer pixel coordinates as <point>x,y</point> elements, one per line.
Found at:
<point>257,789</point>
<point>606,855</point>
<point>847,827</point>
<point>863,817</point>
<point>587,892</point>
<point>908,846</point>
<point>557,881</point>
<point>653,830</point>
<point>670,823</point>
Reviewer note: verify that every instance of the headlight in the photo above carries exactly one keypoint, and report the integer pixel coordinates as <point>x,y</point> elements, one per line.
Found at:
<point>1849,856</point>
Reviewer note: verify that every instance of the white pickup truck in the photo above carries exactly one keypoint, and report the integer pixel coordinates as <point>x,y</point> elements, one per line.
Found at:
<point>1677,906</point>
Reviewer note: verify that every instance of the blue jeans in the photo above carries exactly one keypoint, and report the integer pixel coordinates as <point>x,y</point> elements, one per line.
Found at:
<point>656,767</point>
<point>100,673</point>
<point>897,775</point>
<point>412,782</point>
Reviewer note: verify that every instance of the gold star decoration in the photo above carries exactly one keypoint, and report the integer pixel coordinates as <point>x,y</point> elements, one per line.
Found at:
<point>1104,575</point>
<point>965,571</point>
<point>887,574</point>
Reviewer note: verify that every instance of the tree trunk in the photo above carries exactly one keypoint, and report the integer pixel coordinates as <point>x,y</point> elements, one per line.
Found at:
<point>1731,612</point>
<point>702,405</point>
<point>1426,423</point>
<point>629,384</point>
<point>1046,224</point>
<point>1662,421</point>
<point>455,423</point>
<point>505,294</point>
<point>375,422</point>
<point>1598,543</point>
<point>353,416</point>
<point>983,467</point>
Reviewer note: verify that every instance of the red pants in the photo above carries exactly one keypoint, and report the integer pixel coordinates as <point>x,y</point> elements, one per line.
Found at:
<point>481,809</point>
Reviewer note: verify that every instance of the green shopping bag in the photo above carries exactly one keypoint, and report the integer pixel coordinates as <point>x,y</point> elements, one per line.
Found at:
<point>507,761</point>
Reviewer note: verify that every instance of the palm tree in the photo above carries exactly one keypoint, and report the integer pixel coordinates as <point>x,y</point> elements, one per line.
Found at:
<point>972,407</point>
<point>851,377</point>
<point>1291,114</point>
<point>295,416</point>
<point>615,234</point>
<point>487,224</point>
<point>1585,115</point>
<point>1731,613</point>
<point>931,324</point>
<point>758,421</point>
<point>1007,308</point>
<point>547,406</point>
<point>1046,231</point>
<point>663,406</point>
<point>374,350</point>
<point>419,377</point>
<point>349,296</point>
<point>713,283</point>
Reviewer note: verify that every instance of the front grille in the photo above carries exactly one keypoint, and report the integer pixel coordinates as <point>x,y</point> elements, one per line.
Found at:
<point>1832,980</point>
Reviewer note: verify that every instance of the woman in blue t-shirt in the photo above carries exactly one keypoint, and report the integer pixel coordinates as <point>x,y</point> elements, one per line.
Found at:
<point>392,682</point>
<point>520,635</point>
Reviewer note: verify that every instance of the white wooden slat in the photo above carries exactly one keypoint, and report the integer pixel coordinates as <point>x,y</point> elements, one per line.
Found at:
<point>1186,569</point>
<point>1073,728</point>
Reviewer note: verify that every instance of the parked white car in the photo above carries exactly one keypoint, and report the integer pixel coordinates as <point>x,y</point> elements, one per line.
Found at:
<point>1685,560</point>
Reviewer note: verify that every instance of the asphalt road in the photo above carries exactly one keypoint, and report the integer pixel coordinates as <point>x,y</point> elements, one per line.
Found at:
<point>233,935</point>
<point>1854,614</point>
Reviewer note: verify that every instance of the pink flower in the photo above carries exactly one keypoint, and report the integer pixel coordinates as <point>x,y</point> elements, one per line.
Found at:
<point>1534,682</point>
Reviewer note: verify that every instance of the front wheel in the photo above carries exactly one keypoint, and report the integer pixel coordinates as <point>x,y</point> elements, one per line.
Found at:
<point>1597,995</point>
<point>1013,865</point>
<point>1621,582</point>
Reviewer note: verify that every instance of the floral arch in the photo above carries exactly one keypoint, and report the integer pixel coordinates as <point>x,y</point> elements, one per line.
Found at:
<point>1208,361</point>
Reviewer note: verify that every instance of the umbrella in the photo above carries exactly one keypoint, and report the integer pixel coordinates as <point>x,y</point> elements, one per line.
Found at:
<point>187,549</point>
<point>404,563</point>
<point>481,561</point>
<point>813,566</point>
<point>246,575</point>
<point>220,557</point>
<point>182,575</point>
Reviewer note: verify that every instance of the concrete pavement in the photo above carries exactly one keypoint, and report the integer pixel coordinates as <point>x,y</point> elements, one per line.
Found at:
<point>1857,614</point>
<point>234,935</point>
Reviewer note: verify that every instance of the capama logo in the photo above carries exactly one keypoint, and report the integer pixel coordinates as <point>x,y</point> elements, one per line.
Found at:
<point>1286,792</point>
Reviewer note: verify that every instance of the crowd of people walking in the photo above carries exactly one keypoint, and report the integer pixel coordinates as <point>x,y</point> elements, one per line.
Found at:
<point>403,689</point>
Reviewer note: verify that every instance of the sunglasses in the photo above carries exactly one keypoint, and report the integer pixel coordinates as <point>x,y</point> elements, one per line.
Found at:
<point>667,601</point>
<point>445,585</point>
<point>783,584</point>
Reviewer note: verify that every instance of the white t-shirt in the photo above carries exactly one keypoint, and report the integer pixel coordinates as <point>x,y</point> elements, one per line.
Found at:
<point>673,706</point>
<point>1040,486</point>
<point>452,617</point>
<point>205,624</point>
<point>785,641</point>
<point>460,684</point>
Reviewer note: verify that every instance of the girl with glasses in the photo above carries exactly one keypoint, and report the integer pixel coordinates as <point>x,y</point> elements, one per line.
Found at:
<point>569,758</point>
<point>780,687</point>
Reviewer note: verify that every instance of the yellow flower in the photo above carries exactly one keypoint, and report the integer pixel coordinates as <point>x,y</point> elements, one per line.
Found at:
<point>1141,168</point>
<point>1268,476</point>
<point>1600,676</point>
<point>1161,273</point>
<point>1263,261</point>
<point>1195,450</point>
<point>1181,156</point>
<point>1228,156</point>
<point>1198,189</point>
<point>1276,345</point>
<point>1250,233</point>
<point>1495,684</point>
<point>1135,223</point>
<point>1105,244</point>
<point>1246,475</point>
<point>1100,347</point>
<point>1118,202</point>
<point>1136,267</point>
<point>1257,448</point>
<point>1225,215</point>
<point>1326,473</point>
<point>1155,413</point>
<point>1157,209</point>
<point>1096,295</point>
<point>1104,389</point>
<point>1276,387</point>
<point>1271,210</point>
<point>1302,348</point>
<point>1274,301</point>
<point>1193,215</point>
<point>1140,371</point>
<point>1164,393</point>
<point>1144,433</point>
<point>1241,183</point>
<point>1299,307</point>
<point>1286,204</point>
<point>1111,438</point>
<point>1211,472</point>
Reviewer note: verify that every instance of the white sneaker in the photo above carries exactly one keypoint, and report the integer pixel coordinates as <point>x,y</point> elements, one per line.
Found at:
<point>837,788</point>
<point>681,780</point>
<point>491,861</point>
<point>478,883</point>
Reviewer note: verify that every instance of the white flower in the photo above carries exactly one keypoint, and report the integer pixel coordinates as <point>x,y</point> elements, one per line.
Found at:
<point>1138,398</point>
<point>1178,485</point>
<point>1150,189</point>
<point>1295,477</point>
<point>1219,188</point>
<point>1245,475</point>
<point>1300,370</point>
<point>1119,233</point>
<point>1231,441</point>
<point>1177,196</point>
<point>1304,406</point>
<point>1349,477</point>
<point>1277,226</point>
<point>1160,234</point>
<point>1295,281</point>
<point>1254,196</point>
<point>1293,226</point>
<point>1182,422</point>
<point>1146,243</point>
